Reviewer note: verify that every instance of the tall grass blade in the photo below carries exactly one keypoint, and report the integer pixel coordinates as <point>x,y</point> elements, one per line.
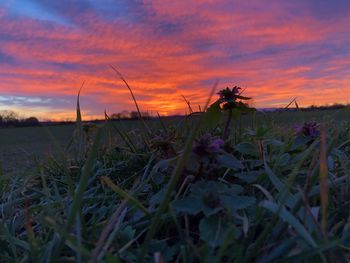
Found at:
<point>188,104</point>
<point>79,134</point>
<point>132,200</point>
<point>133,97</point>
<point>324,192</point>
<point>290,219</point>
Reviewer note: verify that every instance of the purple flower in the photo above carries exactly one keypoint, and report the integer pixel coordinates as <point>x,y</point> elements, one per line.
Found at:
<point>228,95</point>
<point>308,129</point>
<point>216,145</point>
<point>231,98</point>
<point>207,145</point>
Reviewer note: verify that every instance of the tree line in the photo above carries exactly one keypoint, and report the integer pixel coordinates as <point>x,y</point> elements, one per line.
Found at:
<point>129,115</point>
<point>10,118</point>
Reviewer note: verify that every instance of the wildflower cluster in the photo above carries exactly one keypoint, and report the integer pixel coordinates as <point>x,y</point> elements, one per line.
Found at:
<point>229,98</point>
<point>207,145</point>
<point>308,129</point>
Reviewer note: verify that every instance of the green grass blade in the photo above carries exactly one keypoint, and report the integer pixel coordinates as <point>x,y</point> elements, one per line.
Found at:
<point>78,197</point>
<point>132,200</point>
<point>134,99</point>
<point>324,192</point>
<point>290,219</point>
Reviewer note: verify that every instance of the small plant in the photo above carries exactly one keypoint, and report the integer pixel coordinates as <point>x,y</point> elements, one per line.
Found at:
<point>308,129</point>
<point>207,145</point>
<point>230,101</point>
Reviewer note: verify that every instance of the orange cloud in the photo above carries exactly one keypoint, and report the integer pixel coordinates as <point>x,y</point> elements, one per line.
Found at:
<point>170,49</point>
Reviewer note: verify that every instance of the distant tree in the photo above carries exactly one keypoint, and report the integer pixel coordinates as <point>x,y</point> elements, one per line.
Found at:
<point>129,115</point>
<point>120,115</point>
<point>124,114</point>
<point>134,115</point>
<point>8,115</point>
<point>31,121</point>
<point>115,116</point>
<point>9,118</point>
<point>145,114</point>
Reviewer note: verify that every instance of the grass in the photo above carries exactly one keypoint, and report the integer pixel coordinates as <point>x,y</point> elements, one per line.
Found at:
<point>20,147</point>
<point>169,190</point>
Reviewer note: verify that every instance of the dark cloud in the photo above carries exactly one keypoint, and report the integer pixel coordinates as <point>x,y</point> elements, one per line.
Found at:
<point>166,49</point>
<point>6,59</point>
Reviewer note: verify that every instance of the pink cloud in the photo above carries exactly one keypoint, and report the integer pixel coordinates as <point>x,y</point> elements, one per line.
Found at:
<point>176,48</point>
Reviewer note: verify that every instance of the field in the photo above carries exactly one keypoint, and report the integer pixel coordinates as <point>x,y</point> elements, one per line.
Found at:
<point>22,147</point>
<point>226,186</point>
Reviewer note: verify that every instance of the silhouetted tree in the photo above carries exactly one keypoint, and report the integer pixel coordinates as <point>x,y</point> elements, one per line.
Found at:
<point>31,121</point>
<point>134,115</point>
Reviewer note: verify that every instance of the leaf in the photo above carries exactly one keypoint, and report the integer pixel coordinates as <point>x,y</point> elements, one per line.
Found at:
<point>279,251</point>
<point>289,200</point>
<point>238,202</point>
<point>284,159</point>
<point>274,142</point>
<point>127,233</point>
<point>267,194</point>
<point>210,197</point>
<point>213,230</point>
<point>203,187</point>
<point>242,97</point>
<point>330,162</point>
<point>229,161</point>
<point>212,115</point>
<point>246,148</point>
<point>277,183</point>
<point>299,142</point>
<point>284,214</point>
<point>162,165</point>
<point>247,177</point>
<point>191,205</point>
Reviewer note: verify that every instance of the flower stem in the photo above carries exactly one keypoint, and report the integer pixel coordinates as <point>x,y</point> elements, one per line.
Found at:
<point>227,126</point>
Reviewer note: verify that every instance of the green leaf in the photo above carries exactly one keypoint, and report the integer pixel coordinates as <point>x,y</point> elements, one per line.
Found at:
<point>203,187</point>
<point>127,233</point>
<point>132,200</point>
<point>247,177</point>
<point>289,200</point>
<point>274,142</point>
<point>212,115</point>
<point>213,230</point>
<point>229,161</point>
<point>190,205</point>
<point>280,250</point>
<point>246,148</point>
<point>299,142</point>
<point>238,202</point>
<point>162,165</point>
<point>330,163</point>
<point>211,197</point>
<point>284,214</point>
<point>277,183</point>
<point>284,159</point>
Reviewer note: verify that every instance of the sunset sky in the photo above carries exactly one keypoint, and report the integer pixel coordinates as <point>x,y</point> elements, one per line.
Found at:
<point>277,49</point>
